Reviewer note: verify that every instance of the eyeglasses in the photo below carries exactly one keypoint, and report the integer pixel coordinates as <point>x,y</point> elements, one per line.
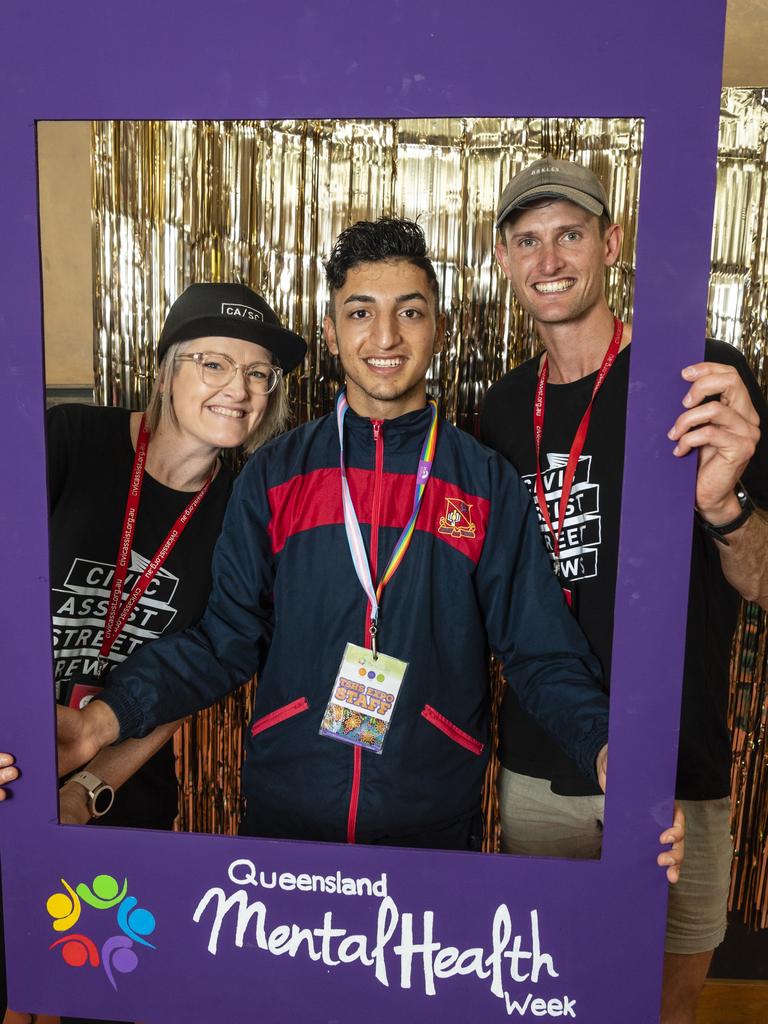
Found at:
<point>217,370</point>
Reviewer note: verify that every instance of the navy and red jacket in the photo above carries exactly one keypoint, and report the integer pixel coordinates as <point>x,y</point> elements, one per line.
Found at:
<point>286,601</point>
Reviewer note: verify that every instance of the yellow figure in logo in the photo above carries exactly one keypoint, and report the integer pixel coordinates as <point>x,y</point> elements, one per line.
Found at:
<point>63,908</point>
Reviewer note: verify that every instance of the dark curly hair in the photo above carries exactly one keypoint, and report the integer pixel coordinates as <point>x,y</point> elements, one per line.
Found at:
<point>368,241</point>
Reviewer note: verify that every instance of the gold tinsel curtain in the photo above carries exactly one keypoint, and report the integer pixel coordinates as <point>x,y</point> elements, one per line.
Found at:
<point>262,202</point>
<point>738,313</point>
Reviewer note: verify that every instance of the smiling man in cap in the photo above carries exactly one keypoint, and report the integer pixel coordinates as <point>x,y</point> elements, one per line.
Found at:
<point>557,238</point>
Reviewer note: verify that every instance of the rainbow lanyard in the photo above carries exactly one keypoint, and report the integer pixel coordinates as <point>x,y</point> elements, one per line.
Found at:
<point>355,537</point>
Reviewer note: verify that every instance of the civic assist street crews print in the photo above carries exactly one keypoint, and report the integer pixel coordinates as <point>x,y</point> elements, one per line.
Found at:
<point>581,533</point>
<point>78,612</point>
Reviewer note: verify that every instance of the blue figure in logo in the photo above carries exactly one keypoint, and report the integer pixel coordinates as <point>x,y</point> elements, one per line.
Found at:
<point>136,923</point>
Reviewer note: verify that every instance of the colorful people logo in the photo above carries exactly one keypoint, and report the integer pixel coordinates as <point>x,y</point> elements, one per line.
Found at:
<point>117,954</point>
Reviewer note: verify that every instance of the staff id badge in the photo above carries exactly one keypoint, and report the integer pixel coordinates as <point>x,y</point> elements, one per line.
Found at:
<point>363,698</point>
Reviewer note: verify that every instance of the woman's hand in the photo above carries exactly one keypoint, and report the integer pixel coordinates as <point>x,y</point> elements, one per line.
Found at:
<point>8,772</point>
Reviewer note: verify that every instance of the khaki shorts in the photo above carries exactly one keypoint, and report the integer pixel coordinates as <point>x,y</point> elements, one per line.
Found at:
<point>538,823</point>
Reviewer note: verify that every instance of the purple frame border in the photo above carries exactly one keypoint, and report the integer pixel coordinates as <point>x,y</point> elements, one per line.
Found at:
<point>599,921</point>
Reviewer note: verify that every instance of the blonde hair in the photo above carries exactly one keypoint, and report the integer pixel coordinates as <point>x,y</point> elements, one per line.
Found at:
<point>160,405</point>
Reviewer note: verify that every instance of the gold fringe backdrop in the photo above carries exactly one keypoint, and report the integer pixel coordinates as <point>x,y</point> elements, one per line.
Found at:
<point>738,312</point>
<point>262,202</point>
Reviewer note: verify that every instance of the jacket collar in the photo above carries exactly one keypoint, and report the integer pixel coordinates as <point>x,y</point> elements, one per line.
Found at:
<point>402,433</point>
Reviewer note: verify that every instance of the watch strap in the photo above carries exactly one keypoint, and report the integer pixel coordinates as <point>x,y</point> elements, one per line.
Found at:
<point>721,531</point>
<point>100,794</point>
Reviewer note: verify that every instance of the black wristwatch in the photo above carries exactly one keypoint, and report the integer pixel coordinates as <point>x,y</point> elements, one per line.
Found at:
<point>720,532</point>
<point>101,796</point>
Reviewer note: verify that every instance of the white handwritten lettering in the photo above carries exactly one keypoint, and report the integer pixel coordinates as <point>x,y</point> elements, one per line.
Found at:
<point>406,940</point>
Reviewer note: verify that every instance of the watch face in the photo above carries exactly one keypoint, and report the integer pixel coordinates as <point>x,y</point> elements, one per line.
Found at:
<point>102,800</point>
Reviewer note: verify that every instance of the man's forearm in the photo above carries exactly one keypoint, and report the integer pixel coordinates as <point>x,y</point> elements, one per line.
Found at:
<point>727,435</point>
<point>745,559</point>
<point>114,765</point>
<point>101,725</point>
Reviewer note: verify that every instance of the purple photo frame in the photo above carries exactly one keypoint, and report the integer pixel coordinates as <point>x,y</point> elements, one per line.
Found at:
<point>590,933</point>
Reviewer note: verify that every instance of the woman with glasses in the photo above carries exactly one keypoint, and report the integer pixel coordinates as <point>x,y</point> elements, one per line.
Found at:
<point>136,505</point>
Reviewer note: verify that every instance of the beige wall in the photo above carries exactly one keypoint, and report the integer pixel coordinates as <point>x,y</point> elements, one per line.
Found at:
<point>746,44</point>
<point>64,163</point>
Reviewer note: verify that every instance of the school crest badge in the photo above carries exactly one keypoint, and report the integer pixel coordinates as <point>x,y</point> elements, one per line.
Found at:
<point>457,521</point>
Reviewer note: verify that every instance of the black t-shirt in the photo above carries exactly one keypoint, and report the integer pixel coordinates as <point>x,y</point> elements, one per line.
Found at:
<point>90,459</point>
<point>589,558</point>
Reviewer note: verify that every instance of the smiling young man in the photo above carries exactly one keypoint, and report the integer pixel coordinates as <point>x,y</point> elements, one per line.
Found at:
<point>368,562</point>
<point>388,331</point>
<point>556,241</point>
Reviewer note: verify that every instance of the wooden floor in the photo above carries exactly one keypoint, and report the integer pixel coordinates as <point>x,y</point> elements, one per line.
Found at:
<point>734,1002</point>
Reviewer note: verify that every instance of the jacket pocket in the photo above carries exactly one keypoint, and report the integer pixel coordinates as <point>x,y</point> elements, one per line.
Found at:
<point>279,715</point>
<point>452,731</point>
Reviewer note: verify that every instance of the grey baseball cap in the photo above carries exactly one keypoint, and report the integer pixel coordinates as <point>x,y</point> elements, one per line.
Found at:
<point>558,179</point>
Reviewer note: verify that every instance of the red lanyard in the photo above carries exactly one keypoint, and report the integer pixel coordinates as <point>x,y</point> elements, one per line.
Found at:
<point>578,442</point>
<point>117,616</point>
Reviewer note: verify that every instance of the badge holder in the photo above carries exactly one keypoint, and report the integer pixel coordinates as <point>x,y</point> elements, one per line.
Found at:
<point>363,698</point>
<point>82,694</point>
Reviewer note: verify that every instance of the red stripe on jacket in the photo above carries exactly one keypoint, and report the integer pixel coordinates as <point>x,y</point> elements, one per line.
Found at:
<point>314,499</point>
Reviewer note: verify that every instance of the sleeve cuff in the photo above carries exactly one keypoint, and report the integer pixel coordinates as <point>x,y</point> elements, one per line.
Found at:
<point>594,742</point>
<point>128,712</point>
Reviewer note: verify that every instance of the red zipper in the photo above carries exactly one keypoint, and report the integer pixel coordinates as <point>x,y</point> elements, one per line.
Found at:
<point>279,715</point>
<point>452,731</point>
<point>378,477</point>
